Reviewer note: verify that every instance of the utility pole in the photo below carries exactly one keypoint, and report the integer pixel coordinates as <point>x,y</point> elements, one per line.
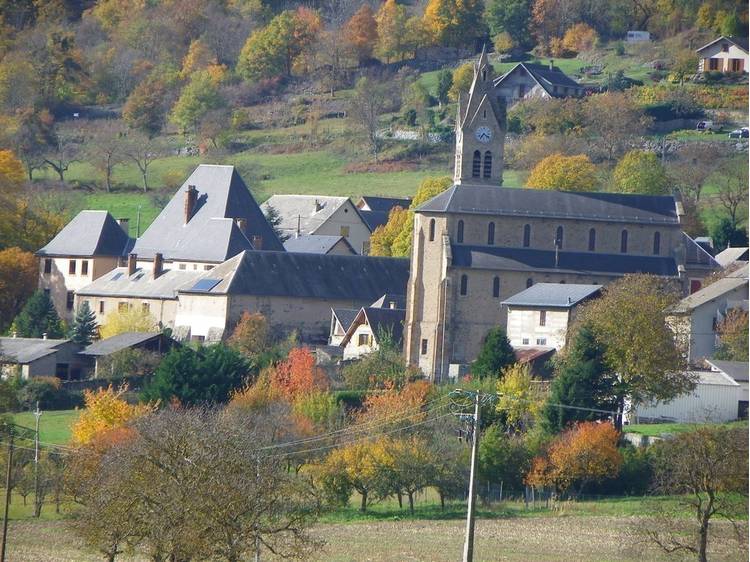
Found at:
<point>37,502</point>
<point>7,493</point>
<point>257,492</point>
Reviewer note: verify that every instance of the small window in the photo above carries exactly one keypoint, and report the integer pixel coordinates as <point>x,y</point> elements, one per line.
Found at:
<point>344,231</point>
<point>496,287</point>
<point>195,267</point>
<point>432,230</point>
<point>592,240</point>
<point>460,232</point>
<point>424,347</point>
<point>72,267</point>
<point>487,165</point>
<point>725,47</point>
<point>713,64</point>
<point>525,341</point>
<point>183,266</point>
<point>464,285</point>
<point>657,243</point>
<point>145,307</point>
<point>541,341</point>
<point>491,234</point>
<point>363,339</point>
<point>69,297</point>
<point>47,266</point>
<point>529,282</point>
<point>61,371</point>
<point>476,164</point>
<point>542,317</point>
<point>526,235</point>
<point>624,242</point>
<point>122,307</point>
<point>101,307</point>
<point>85,267</point>
<point>208,267</point>
<point>559,237</point>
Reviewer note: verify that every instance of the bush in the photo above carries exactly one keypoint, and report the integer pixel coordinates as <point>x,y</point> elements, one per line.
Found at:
<point>619,48</point>
<point>49,393</point>
<point>635,474</point>
<point>128,362</point>
<point>350,399</point>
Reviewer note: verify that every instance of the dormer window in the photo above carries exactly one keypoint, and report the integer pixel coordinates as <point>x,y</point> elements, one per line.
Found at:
<point>725,47</point>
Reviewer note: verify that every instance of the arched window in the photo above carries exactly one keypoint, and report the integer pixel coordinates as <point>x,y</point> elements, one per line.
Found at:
<point>526,235</point>
<point>496,287</point>
<point>529,282</point>
<point>476,164</point>
<point>592,240</point>
<point>657,243</point>
<point>460,232</point>
<point>624,242</point>
<point>491,233</point>
<point>487,164</point>
<point>432,230</point>
<point>559,237</point>
<point>464,284</point>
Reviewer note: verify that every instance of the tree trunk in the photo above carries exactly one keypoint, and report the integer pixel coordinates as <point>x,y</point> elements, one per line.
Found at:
<point>442,501</point>
<point>400,500</point>
<point>145,180</point>
<point>363,505</point>
<point>411,502</point>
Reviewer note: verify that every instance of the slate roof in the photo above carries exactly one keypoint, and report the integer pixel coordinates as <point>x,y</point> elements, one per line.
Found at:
<point>731,255</point>
<point>118,343</point>
<point>141,284</point>
<point>741,42</point>
<point>380,320</point>
<point>609,207</point>
<point>26,350</point>
<point>526,259</point>
<point>545,76</point>
<point>529,354</point>
<point>314,244</point>
<point>383,204</point>
<point>309,212</point>
<point>90,233</point>
<point>553,295</point>
<point>385,300</point>
<point>345,316</point>
<point>696,255</point>
<point>738,370</point>
<point>356,278</point>
<point>715,290</point>
<point>210,234</point>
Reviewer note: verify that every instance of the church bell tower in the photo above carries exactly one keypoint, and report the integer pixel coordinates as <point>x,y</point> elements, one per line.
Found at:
<point>480,131</point>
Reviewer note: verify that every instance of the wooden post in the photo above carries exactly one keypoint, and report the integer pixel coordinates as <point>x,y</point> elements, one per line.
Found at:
<point>7,495</point>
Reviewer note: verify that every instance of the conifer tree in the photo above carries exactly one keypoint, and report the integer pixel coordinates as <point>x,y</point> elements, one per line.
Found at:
<point>495,355</point>
<point>84,328</point>
<point>38,317</point>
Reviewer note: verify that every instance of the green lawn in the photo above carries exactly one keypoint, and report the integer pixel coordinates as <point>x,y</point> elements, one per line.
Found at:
<point>656,429</point>
<point>54,426</point>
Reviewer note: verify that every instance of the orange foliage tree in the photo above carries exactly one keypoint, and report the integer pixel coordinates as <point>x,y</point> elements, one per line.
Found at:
<point>583,454</point>
<point>579,38</point>
<point>250,336</point>
<point>361,33</point>
<point>18,279</point>
<point>106,409</point>
<point>298,375</point>
<point>397,407</point>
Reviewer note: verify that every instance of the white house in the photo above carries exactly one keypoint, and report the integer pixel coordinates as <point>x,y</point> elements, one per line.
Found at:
<point>634,36</point>
<point>725,54</point>
<point>302,215</point>
<point>539,316</point>
<point>737,370</point>
<point>383,318</point>
<point>715,399</point>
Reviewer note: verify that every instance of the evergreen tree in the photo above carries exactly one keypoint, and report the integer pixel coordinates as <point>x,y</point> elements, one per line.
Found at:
<point>495,355</point>
<point>274,219</point>
<point>38,317</point>
<point>584,381</point>
<point>84,328</point>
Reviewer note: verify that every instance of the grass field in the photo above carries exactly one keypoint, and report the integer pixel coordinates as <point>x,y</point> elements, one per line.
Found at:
<point>656,429</point>
<point>54,427</point>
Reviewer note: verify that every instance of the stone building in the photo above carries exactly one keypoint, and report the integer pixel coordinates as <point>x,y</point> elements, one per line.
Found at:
<point>477,244</point>
<point>530,80</point>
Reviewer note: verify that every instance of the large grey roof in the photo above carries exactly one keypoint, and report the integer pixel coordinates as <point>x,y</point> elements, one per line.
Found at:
<point>731,282</point>
<point>118,343</point>
<point>314,244</point>
<point>374,219</point>
<point>384,204</point>
<point>738,370</point>
<point>731,255</point>
<point>545,76</point>
<point>526,259</point>
<point>26,350</point>
<point>90,233</point>
<point>741,42</point>
<point>356,278</point>
<point>141,284</point>
<point>555,295</point>
<point>210,234</point>
<point>612,207</point>
<point>345,316</point>
<point>309,212</point>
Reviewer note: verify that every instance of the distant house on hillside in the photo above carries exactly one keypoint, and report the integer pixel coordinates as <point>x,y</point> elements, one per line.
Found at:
<point>530,80</point>
<point>725,54</point>
<point>320,215</point>
<point>634,36</point>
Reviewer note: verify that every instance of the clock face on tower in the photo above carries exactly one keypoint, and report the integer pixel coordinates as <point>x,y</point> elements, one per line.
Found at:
<point>483,134</point>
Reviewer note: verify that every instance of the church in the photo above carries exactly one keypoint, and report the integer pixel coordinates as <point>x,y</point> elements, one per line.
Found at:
<point>477,243</point>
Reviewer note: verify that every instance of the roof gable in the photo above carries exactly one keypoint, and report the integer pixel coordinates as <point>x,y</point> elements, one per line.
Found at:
<point>304,213</point>
<point>740,42</point>
<point>88,234</point>
<point>554,295</point>
<point>315,244</point>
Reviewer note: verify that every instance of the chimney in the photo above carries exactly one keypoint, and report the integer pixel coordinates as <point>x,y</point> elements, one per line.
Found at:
<point>392,305</point>
<point>551,64</point>
<point>318,205</point>
<point>44,336</point>
<point>158,264</point>
<point>191,196</point>
<point>241,224</point>
<point>132,261</point>
<point>125,225</point>
<point>257,242</point>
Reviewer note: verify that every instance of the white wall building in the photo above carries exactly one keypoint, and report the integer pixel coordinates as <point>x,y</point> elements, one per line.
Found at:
<point>725,54</point>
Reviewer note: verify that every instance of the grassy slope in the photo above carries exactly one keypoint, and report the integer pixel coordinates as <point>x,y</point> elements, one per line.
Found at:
<point>656,429</point>
<point>54,427</point>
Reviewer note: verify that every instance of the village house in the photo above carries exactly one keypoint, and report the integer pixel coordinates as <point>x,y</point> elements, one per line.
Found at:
<point>382,319</point>
<point>725,54</point>
<point>319,244</point>
<point>375,210</point>
<point>530,80</point>
<point>737,370</point>
<point>477,244</point>
<point>40,357</point>
<point>539,317</point>
<point>154,342</point>
<point>308,215</point>
<point>732,256</point>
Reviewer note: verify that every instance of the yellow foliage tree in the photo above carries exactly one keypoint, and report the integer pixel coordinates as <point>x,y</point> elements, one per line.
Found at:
<point>580,38</point>
<point>12,173</point>
<point>462,78</point>
<point>357,467</point>
<point>131,320</point>
<point>382,240</point>
<point>563,173</point>
<point>519,400</point>
<point>198,57</point>
<point>392,33</point>
<point>454,23</point>
<point>250,336</point>
<point>503,42</point>
<point>105,409</point>
<point>18,279</point>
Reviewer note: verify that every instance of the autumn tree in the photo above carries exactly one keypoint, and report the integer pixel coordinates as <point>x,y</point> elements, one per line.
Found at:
<point>519,400</point>
<point>732,189</point>
<point>732,331</point>
<point>370,100</point>
<point>503,43</point>
<point>454,23</point>
<point>197,98</point>
<point>355,468</point>
<point>37,318</point>
<point>565,173</point>
<point>132,319</point>
<point>397,407</point>
<point>251,334</point>
<point>640,172</point>
<point>462,78</point>
<point>511,17</point>
<point>298,374</point>
<point>384,236</point>
<point>612,120</point>
<point>361,33</point>
<point>104,143</point>
<point>706,471</point>
<point>392,33</point>
<point>503,458</point>
<point>631,314</point>
<point>146,107</point>
<point>105,409</point>
<point>19,272</point>
<point>579,456</point>
<point>408,463</point>
<point>496,354</point>
<point>84,328</point>
<point>65,150</point>
<point>691,169</point>
<point>580,38</point>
